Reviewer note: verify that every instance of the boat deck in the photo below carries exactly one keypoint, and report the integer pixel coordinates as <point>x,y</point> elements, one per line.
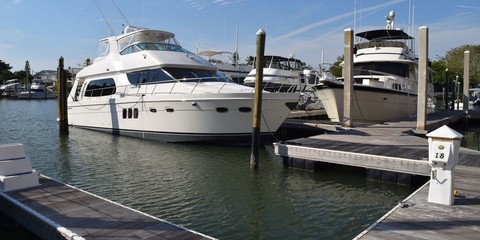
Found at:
<point>53,209</point>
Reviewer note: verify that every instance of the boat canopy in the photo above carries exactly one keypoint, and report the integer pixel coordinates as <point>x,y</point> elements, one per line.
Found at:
<point>384,34</point>
<point>147,36</point>
<point>210,53</point>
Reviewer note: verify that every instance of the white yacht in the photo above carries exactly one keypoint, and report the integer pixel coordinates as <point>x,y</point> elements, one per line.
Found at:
<point>11,88</point>
<point>37,90</point>
<point>227,63</point>
<point>280,74</point>
<point>385,71</point>
<point>144,84</point>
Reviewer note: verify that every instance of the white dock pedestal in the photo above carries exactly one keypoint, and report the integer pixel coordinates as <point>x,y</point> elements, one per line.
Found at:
<point>15,169</point>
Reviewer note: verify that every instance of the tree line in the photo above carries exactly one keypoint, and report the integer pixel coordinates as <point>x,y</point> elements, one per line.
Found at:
<point>6,74</point>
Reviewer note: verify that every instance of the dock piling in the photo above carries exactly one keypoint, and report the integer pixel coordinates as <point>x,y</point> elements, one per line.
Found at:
<point>422,80</point>
<point>62,98</point>
<point>466,79</point>
<point>348,78</point>
<point>257,105</point>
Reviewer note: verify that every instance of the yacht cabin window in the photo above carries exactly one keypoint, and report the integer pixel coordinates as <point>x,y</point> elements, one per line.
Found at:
<point>100,87</point>
<point>149,76</point>
<point>381,68</point>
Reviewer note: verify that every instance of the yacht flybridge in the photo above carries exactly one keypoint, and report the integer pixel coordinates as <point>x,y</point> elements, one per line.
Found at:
<point>144,84</point>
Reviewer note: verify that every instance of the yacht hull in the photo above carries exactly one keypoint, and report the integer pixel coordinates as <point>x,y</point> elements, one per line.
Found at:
<point>370,104</point>
<point>195,118</point>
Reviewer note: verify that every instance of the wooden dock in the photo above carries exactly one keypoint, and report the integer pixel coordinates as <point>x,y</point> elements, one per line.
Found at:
<point>416,218</point>
<point>392,146</point>
<point>55,210</point>
<point>396,147</point>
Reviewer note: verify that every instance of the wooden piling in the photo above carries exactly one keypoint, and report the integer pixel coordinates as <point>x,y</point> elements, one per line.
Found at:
<point>27,81</point>
<point>457,93</point>
<point>446,97</point>
<point>62,98</point>
<point>348,78</point>
<point>466,79</point>
<point>257,108</point>
<point>422,80</point>
<point>452,100</point>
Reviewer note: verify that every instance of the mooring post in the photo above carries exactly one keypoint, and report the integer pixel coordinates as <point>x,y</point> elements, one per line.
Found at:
<point>452,100</point>
<point>62,98</point>
<point>348,78</point>
<point>457,94</point>
<point>257,104</point>
<point>466,79</point>
<point>29,84</point>
<point>422,80</point>
<point>446,96</point>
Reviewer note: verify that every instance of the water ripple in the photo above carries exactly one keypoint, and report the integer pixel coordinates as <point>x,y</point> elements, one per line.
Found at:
<point>211,189</point>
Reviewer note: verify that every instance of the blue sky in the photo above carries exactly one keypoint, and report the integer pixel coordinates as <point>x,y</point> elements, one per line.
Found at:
<point>42,31</point>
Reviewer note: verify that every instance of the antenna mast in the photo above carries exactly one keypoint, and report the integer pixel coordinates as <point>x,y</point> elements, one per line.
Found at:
<point>235,55</point>
<point>101,13</point>
<point>354,14</point>
<point>121,12</point>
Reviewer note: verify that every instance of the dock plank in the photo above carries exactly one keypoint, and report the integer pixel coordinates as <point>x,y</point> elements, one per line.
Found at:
<point>417,218</point>
<point>92,217</point>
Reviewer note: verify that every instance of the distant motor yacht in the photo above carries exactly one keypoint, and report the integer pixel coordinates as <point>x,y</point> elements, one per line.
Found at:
<point>37,90</point>
<point>385,72</point>
<point>227,63</point>
<point>280,74</point>
<point>11,88</point>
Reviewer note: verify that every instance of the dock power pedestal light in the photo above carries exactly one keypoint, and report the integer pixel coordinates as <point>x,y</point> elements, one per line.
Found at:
<point>443,148</point>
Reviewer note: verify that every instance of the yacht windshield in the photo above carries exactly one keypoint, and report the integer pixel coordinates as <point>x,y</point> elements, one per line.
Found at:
<point>149,40</point>
<point>196,75</point>
<point>166,75</point>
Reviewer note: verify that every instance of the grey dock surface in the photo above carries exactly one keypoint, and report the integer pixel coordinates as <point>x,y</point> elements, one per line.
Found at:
<point>53,209</point>
<point>416,218</point>
<point>394,146</point>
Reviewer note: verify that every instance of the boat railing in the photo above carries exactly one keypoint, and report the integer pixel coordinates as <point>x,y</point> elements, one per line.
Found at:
<point>158,87</point>
<point>276,87</point>
<point>393,81</point>
<point>179,86</point>
<point>386,80</point>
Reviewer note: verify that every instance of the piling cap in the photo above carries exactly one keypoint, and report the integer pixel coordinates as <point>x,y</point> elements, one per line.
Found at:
<point>445,132</point>
<point>261,32</point>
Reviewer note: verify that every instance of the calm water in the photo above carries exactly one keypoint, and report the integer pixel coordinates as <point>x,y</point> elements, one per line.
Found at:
<point>210,189</point>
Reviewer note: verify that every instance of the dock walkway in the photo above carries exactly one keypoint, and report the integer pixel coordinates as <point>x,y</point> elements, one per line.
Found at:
<point>392,146</point>
<point>395,147</point>
<point>416,218</point>
<point>55,210</point>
